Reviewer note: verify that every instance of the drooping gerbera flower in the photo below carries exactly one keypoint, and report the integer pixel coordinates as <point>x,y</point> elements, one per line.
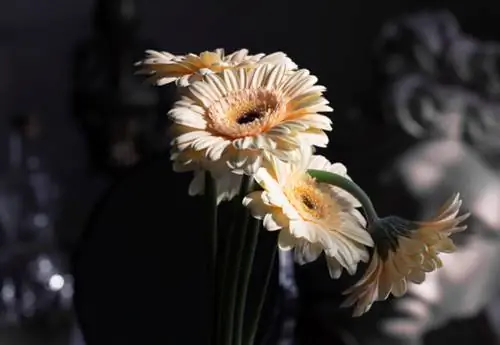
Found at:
<point>312,217</point>
<point>404,252</point>
<point>226,183</point>
<point>164,67</point>
<point>237,115</point>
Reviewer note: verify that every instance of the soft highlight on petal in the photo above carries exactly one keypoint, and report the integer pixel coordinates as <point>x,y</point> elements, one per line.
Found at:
<point>164,68</point>
<point>244,116</point>
<point>404,252</point>
<point>312,217</point>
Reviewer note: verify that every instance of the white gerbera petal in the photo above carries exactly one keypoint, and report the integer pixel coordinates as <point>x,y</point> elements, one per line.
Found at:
<point>279,58</point>
<point>306,252</point>
<point>164,68</point>
<point>319,162</point>
<point>227,184</point>
<point>334,267</point>
<point>271,222</point>
<point>286,241</point>
<point>256,205</point>
<point>197,185</point>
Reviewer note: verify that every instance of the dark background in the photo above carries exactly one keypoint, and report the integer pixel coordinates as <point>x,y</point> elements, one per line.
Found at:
<point>331,38</point>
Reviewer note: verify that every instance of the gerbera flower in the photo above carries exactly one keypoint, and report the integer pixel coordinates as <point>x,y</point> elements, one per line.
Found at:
<point>312,217</point>
<point>404,252</point>
<point>165,68</point>
<point>237,115</point>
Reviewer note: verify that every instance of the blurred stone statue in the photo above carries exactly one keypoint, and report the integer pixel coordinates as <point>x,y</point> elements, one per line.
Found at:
<point>443,89</point>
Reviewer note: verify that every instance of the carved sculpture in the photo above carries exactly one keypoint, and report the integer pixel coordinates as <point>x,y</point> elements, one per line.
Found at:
<point>442,87</point>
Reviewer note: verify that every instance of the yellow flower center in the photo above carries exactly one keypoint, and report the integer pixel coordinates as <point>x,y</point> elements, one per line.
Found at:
<point>246,112</point>
<point>313,201</point>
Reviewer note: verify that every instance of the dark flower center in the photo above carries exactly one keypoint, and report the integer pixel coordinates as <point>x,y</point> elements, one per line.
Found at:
<point>249,117</point>
<point>308,202</point>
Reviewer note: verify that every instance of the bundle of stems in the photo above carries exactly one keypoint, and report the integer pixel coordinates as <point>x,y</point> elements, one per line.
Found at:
<point>235,313</point>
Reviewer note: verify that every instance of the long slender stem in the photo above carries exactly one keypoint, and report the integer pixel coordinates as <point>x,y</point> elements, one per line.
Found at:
<point>248,256</point>
<point>350,187</point>
<point>211,219</point>
<point>251,332</point>
<point>211,209</point>
<point>222,263</point>
<point>235,249</point>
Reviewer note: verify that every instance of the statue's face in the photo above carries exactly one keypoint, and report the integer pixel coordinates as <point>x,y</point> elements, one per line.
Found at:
<point>476,123</point>
<point>425,109</point>
<point>448,124</point>
<point>482,131</point>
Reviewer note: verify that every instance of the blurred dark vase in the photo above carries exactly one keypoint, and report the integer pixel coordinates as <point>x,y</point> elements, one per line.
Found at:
<point>122,116</point>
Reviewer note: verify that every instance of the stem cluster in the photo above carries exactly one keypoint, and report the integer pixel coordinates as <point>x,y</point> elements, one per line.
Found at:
<point>235,318</point>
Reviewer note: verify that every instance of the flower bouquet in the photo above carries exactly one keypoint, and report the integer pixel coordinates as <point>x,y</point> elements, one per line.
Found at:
<point>246,127</point>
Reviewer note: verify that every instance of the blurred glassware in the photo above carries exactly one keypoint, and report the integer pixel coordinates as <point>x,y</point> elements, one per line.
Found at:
<point>290,294</point>
<point>34,280</point>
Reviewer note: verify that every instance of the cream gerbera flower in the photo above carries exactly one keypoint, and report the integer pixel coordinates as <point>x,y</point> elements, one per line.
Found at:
<point>237,115</point>
<point>165,68</point>
<point>404,252</point>
<point>226,183</point>
<point>313,217</point>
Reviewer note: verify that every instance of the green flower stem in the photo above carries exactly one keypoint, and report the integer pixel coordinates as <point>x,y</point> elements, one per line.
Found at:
<point>232,265</point>
<point>350,187</point>
<point>248,255</point>
<point>212,232</point>
<point>253,325</point>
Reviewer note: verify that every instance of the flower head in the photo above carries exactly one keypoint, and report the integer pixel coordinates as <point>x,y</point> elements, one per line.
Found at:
<point>404,252</point>
<point>238,115</point>
<point>164,67</point>
<point>312,217</point>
